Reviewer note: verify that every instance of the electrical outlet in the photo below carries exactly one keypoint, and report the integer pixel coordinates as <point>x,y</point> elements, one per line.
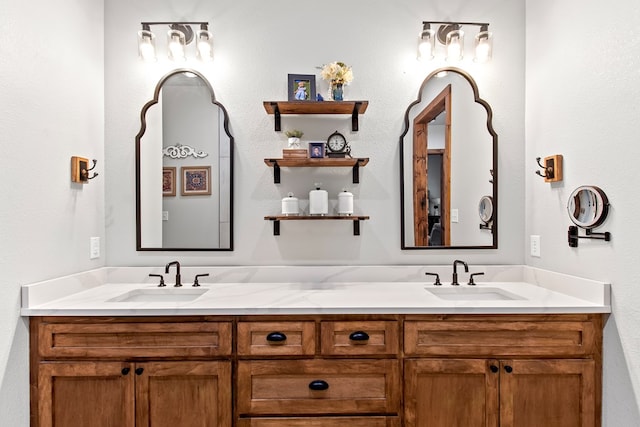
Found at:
<point>94,252</point>
<point>165,215</point>
<point>454,215</point>
<point>535,246</point>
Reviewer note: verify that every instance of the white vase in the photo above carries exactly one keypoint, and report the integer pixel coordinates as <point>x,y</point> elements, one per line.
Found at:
<point>293,142</point>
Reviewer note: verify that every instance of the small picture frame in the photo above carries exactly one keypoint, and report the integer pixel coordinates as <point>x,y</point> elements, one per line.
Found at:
<point>316,150</point>
<point>196,180</point>
<point>168,182</point>
<point>302,87</point>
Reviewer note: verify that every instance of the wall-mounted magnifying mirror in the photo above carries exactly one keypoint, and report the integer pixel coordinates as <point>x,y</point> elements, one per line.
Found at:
<point>184,168</point>
<point>448,161</point>
<point>485,211</point>
<point>588,207</point>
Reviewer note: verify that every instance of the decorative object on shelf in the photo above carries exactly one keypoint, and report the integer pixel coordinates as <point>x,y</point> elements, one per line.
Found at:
<point>345,203</point>
<point>302,87</point>
<point>451,36</point>
<point>295,153</point>
<point>180,34</point>
<point>337,146</point>
<point>80,169</point>
<point>168,181</point>
<point>316,150</point>
<point>338,74</point>
<point>196,180</point>
<point>552,168</point>
<point>180,151</point>
<point>318,201</point>
<point>290,205</point>
<point>588,207</point>
<point>294,136</point>
<point>485,211</point>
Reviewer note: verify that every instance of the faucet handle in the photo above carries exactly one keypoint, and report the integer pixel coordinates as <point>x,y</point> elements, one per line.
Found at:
<point>161,284</point>
<point>195,281</point>
<point>437,282</point>
<point>471,282</point>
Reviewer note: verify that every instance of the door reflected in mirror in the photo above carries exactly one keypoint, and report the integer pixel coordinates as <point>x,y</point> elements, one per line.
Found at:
<point>448,153</point>
<point>184,168</point>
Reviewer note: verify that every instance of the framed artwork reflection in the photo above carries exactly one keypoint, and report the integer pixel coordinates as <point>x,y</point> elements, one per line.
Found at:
<point>196,180</point>
<point>302,87</point>
<point>168,182</point>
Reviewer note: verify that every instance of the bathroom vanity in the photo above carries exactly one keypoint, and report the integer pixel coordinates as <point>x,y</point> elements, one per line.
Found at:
<point>321,353</point>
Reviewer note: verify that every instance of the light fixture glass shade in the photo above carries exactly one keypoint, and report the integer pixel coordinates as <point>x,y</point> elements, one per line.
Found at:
<point>204,45</point>
<point>176,44</point>
<point>455,45</point>
<point>426,44</point>
<point>483,46</point>
<point>146,45</point>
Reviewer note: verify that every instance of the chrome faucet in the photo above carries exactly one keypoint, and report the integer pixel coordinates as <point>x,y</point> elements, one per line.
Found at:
<point>166,271</point>
<point>454,281</point>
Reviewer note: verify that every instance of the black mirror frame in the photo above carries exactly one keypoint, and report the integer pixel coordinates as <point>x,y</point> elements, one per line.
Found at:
<point>494,170</point>
<point>143,127</point>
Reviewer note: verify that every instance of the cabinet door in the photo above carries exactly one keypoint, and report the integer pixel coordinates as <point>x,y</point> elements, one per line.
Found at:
<point>451,393</point>
<point>183,394</point>
<point>549,393</point>
<point>79,394</point>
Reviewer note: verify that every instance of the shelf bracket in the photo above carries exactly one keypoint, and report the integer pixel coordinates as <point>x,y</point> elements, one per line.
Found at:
<point>356,172</point>
<point>276,117</point>
<point>356,227</point>
<point>276,172</point>
<point>276,227</point>
<point>354,116</point>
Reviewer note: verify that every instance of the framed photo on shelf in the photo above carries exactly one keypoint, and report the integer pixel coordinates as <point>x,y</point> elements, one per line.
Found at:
<point>196,180</point>
<point>302,87</point>
<point>316,150</point>
<point>168,182</point>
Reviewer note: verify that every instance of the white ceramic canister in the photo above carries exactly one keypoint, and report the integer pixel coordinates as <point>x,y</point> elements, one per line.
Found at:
<point>318,201</point>
<point>290,205</point>
<point>345,203</point>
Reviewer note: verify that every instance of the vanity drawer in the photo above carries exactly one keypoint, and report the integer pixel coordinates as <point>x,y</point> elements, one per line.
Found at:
<point>359,338</point>
<point>276,338</point>
<point>134,339</point>
<point>372,421</point>
<point>299,387</point>
<point>497,336</point>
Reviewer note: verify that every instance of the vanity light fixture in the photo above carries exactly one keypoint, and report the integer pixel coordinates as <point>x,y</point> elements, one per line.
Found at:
<point>179,36</point>
<point>451,36</point>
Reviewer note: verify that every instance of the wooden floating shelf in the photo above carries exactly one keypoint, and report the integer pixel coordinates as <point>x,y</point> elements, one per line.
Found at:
<point>355,218</point>
<point>277,108</point>
<point>325,162</point>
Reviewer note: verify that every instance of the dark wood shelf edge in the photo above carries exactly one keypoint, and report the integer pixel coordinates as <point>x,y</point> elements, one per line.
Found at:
<point>277,108</point>
<point>317,163</point>
<point>355,218</point>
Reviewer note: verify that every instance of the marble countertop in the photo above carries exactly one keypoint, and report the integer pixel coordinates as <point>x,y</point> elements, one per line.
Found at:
<point>106,292</point>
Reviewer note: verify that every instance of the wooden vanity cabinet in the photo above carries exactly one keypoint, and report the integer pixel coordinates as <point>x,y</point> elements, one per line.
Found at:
<point>317,371</point>
<point>126,372</point>
<point>506,371</point>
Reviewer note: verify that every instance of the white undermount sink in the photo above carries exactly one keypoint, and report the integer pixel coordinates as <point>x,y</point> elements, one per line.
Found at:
<point>469,293</point>
<point>160,295</point>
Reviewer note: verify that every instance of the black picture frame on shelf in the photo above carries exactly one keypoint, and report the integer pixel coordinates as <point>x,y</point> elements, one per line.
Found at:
<point>302,87</point>
<point>316,150</point>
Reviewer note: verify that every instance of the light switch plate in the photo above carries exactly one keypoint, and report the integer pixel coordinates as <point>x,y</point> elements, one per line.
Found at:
<point>535,246</point>
<point>454,215</point>
<point>95,248</point>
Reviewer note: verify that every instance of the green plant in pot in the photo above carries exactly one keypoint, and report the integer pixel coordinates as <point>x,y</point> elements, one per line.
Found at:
<point>294,136</point>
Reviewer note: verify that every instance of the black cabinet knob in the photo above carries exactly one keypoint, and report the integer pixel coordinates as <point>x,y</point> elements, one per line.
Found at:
<point>494,368</point>
<point>508,369</point>
<point>359,336</point>
<point>276,337</point>
<point>139,371</point>
<point>125,371</point>
<point>318,385</point>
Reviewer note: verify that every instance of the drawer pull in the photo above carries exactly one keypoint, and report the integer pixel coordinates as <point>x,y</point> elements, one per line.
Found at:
<point>276,337</point>
<point>139,371</point>
<point>494,368</point>
<point>508,369</point>
<point>318,385</point>
<point>359,336</point>
<point>125,371</point>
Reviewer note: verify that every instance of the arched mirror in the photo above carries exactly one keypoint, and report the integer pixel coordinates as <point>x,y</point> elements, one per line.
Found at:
<point>184,168</point>
<point>448,161</point>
